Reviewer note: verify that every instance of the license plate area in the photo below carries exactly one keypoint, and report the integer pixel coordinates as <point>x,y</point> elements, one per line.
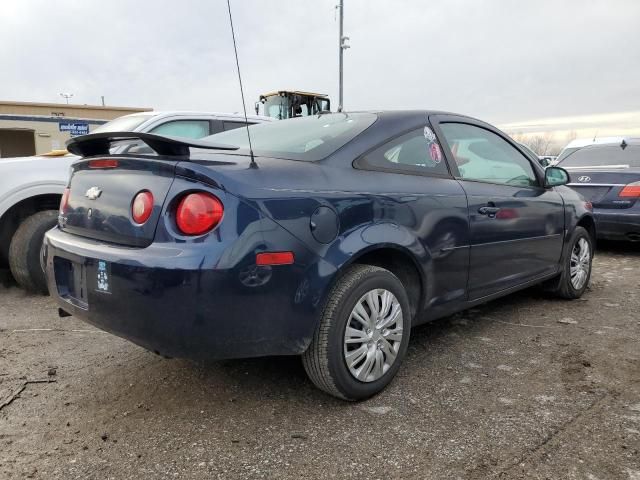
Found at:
<point>71,281</point>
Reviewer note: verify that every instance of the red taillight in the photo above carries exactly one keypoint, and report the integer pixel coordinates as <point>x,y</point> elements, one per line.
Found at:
<point>631,190</point>
<point>103,163</point>
<point>142,206</point>
<point>274,258</point>
<point>198,213</point>
<point>64,202</point>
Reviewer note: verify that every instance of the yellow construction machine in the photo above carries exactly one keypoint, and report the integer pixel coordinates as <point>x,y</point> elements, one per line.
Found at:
<point>285,104</point>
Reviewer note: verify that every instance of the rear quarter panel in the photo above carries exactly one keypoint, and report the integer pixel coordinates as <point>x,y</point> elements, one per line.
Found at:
<point>425,217</point>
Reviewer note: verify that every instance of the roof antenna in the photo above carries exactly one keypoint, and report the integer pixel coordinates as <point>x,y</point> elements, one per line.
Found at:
<point>253,163</point>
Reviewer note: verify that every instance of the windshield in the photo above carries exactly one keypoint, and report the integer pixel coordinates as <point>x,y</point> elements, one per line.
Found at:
<point>307,138</point>
<point>603,155</point>
<point>127,123</point>
<point>566,152</point>
<point>276,107</point>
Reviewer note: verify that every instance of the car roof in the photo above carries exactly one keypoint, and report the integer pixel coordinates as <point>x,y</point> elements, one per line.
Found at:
<point>613,143</point>
<point>390,114</point>
<point>583,142</point>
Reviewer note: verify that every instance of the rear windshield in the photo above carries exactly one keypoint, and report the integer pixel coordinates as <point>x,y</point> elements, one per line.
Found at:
<point>566,152</point>
<point>307,138</point>
<point>603,155</point>
<point>123,124</point>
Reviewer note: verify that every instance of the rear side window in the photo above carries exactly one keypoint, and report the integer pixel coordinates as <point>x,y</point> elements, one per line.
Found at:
<point>603,155</point>
<point>414,152</point>
<point>184,128</point>
<point>483,156</point>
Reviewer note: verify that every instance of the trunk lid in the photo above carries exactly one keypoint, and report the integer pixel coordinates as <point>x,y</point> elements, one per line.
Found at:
<point>100,199</point>
<point>602,186</point>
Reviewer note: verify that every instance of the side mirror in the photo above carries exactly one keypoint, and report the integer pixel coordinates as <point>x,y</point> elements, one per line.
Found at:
<point>555,176</point>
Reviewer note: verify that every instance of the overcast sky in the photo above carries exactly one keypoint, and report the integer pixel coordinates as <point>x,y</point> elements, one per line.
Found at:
<point>499,60</point>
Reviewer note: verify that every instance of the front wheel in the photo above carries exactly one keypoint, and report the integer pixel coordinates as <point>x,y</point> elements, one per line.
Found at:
<point>362,336</point>
<point>576,268</point>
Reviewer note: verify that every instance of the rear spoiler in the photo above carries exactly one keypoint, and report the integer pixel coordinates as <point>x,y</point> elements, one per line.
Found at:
<point>100,143</point>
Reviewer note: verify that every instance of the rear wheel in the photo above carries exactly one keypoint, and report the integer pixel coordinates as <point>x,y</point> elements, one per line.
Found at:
<point>24,251</point>
<point>576,272</point>
<point>362,336</point>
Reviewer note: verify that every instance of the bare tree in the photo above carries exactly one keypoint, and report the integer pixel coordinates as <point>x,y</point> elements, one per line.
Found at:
<point>541,144</point>
<point>520,137</point>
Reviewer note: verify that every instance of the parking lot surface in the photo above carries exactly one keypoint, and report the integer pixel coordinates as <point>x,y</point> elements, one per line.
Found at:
<point>524,387</point>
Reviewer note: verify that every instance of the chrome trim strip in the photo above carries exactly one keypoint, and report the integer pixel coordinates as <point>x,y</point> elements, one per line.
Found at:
<point>596,184</point>
<point>598,167</point>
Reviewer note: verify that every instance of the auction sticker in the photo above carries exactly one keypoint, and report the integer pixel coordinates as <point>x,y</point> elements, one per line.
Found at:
<point>103,277</point>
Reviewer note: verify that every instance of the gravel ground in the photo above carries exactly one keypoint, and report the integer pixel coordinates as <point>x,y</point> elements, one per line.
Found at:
<point>523,387</point>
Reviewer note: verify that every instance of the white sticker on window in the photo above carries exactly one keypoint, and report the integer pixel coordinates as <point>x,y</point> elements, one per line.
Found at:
<point>429,135</point>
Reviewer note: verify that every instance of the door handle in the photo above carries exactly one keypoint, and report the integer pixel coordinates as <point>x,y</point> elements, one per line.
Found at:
<point>489,211</point>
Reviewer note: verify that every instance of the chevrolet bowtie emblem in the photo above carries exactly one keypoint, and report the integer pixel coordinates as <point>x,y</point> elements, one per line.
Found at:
<point>93,193</point>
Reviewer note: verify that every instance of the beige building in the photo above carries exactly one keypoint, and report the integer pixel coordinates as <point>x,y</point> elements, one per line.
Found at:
<point>34,128</point>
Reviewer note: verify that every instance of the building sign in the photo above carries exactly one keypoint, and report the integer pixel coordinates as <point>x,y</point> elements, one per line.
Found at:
<point>74,128</point>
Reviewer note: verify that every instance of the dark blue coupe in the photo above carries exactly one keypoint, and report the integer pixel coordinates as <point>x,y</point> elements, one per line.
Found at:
<point>331,240</point>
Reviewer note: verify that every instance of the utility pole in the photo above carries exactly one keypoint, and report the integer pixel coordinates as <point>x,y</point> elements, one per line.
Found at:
<point>342,46</point>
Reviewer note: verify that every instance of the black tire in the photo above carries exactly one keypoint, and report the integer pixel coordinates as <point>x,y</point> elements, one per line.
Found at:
<point>324,360</point>
<point>562,286</point>
<point>24,251</point>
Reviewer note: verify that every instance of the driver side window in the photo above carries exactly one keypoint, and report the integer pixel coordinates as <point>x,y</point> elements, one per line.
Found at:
<point>482,155</point>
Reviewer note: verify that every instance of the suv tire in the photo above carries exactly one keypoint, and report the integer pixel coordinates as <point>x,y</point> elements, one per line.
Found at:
<point>24,251</point>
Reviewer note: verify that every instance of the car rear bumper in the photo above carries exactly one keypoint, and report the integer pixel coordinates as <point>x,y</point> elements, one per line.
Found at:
<point>176,300</point>
<point>618,225</point>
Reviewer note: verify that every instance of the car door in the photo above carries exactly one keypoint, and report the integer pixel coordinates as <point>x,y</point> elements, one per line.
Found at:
<point>516,225</point>
<point>429,202</point>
